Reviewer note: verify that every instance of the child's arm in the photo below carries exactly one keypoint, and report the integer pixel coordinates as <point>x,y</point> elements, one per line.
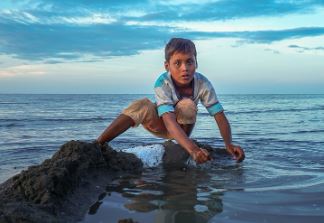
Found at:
<point>176,132</point>
<point>225,130</point>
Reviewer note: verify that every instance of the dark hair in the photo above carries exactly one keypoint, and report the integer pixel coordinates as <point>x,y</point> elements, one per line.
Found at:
<point>179,45</point>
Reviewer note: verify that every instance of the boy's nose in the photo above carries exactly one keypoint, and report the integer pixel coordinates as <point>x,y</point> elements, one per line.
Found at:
<point>184,67</point>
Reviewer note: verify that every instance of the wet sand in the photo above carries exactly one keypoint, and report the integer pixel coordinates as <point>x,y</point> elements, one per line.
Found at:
<point>62,188</point>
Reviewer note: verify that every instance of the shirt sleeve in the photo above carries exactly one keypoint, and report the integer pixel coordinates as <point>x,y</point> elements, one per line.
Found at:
<point>209,99</point>
<point>163,96</point>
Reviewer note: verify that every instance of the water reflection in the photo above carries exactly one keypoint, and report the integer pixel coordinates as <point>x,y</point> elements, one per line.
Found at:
<point>184,200</point>
<point>160,195</point>
<point>173,195</point>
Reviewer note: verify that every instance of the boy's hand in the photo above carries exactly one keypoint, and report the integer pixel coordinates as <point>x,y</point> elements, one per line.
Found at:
<point>236,151</point>
<point>200,155</point>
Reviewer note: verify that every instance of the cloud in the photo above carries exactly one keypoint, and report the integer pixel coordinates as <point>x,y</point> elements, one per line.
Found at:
<point>302,48</point>
<point>37,17</point>
<point>57,30</point>
<point>150,11</point>
<point>272,51</point>
<point>30,70</point>
<point>36,42</point>
<point>269,36</point>
<point>226,10</point>
<point>69,42</point>
<point>260,36</point>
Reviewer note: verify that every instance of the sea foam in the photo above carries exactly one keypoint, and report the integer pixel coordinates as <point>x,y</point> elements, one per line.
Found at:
<point>151,155</point>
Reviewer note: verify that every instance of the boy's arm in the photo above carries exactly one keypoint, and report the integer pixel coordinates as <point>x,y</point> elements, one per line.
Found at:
<point>176,132</point>
<point>225,130</point>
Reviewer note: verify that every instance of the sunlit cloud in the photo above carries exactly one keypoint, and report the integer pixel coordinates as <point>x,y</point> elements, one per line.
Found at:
<point>89,18</point>
<point>22,70</point>
<point>18,17</point>
<point>166,10</point>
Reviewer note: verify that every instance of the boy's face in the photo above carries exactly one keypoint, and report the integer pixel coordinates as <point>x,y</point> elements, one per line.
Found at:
<point>182,67</point>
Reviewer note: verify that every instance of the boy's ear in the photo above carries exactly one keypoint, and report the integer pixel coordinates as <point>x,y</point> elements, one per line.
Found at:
<point>166,65</point>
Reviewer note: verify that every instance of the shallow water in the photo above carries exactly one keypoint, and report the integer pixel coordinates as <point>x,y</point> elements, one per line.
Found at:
<point>281,179</point>
<point>219,191</point>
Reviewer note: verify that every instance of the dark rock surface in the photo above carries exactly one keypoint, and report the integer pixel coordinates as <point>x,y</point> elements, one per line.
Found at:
<point>176,157</point>
<point>61,187</point>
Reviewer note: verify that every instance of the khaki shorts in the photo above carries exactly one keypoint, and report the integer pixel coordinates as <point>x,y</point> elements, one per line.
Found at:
<point>144,112</point>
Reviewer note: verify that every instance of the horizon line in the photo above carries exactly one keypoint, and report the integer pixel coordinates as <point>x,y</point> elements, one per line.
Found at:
<point>153,93</point>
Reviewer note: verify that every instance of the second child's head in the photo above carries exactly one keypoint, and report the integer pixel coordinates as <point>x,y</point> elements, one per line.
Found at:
<point>181,60</point>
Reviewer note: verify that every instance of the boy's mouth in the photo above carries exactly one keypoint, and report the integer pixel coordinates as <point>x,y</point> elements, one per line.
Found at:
<point>185,76</point>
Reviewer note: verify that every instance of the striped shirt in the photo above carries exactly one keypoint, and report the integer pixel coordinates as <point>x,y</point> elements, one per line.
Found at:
<point>166,95</point>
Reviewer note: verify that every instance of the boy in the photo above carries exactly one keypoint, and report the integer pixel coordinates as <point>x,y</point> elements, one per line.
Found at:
<point>177,93</point>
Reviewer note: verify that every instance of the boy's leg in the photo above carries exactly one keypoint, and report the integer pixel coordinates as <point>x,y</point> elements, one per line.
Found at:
<point>130,117</point>
<point>144,112</point>
<point>117,127</point>
<point>151,121</point>
<point>141,111</point>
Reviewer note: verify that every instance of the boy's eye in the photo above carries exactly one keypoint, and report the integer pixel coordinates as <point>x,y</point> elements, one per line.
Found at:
<point>178,63</point>
<point>189,62</point>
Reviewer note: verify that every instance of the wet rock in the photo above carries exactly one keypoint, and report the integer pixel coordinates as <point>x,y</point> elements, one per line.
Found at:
<point>174,155</point>
<point>40,193</point>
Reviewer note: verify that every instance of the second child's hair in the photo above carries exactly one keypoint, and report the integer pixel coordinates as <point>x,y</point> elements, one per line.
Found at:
<point>179,45</point>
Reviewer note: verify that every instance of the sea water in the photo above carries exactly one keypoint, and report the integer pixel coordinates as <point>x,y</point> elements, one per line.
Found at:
<point>281,179</point>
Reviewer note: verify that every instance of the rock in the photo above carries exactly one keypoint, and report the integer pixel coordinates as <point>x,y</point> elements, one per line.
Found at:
<point>40,193</point>
<point>174,156</point>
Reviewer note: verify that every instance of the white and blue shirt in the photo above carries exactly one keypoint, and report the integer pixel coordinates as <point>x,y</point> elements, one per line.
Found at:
<point>167,97</point>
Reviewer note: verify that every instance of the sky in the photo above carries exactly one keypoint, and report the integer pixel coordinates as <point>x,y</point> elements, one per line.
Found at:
<point>116,47</point>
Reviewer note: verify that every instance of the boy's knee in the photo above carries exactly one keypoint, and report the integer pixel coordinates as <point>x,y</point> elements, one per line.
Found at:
<point>186,111</point>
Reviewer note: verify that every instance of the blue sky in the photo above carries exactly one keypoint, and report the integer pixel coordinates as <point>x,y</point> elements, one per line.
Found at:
<point>93,46</point>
